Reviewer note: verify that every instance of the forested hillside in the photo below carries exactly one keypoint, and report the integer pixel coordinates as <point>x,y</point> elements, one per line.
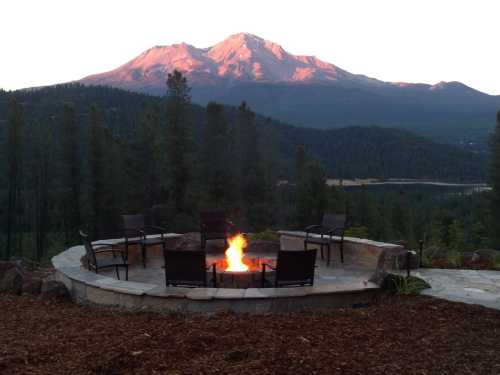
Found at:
<point>345,153</point>
<point>77,157</point>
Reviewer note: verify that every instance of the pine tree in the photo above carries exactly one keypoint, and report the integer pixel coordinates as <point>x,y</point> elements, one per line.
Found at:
<point>255,193</point>
<point>70,173</point>
<point>38,180</point>
<point>146,162</point>
<point>179,139</point>
<point>96,170</point>
<point>215,172</point>
<point>495,184</point>
<point>311,195</point>
<point>14,170</point>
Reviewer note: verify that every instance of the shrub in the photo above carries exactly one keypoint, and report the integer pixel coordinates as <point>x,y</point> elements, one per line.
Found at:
<point>266,235</point>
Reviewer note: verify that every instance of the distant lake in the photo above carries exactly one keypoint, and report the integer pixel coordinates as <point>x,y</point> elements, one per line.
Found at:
<point>410,186</point>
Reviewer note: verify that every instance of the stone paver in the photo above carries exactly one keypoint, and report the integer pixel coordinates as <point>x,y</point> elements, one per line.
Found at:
<point>468,286</point>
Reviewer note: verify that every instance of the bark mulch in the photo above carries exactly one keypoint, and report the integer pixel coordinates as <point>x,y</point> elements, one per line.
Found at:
<point>403,335</point>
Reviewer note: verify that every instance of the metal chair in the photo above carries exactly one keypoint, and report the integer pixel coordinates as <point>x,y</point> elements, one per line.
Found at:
<point>213,226</point>
<point>293,268</point>
<point>332,225</point>
<point>136,233</point>
<point>187,268</point>
<point>94,263</point>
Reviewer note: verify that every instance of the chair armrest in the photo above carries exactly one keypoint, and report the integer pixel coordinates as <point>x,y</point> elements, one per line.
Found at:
<point>337,231</point>
<point>264,265</point>
<point>132,233</point>
<point>154,228</point>
<point>211,265</point>
<point>311,227</point>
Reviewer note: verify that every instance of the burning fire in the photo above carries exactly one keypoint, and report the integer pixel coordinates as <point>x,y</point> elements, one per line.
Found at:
<point>234,254</point>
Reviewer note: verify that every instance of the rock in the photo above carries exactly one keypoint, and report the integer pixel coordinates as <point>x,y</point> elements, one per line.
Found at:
<point>401,243</point>
<point>262,246</point>
<point>189,241</point>
<point>12,281</point>
<point>435,253</point>
<point>54,289</point>
<point>402,258</point>
<point>32,285</point>
<point>487,255</point>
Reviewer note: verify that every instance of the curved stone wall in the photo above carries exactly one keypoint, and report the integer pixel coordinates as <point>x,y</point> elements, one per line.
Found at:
<point>90,288</point>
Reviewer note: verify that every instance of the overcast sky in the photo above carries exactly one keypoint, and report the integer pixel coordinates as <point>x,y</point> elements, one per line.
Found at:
<point>50,41</point>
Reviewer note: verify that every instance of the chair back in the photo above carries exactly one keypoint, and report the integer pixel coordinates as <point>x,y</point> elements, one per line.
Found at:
<point>295,267</point>
<point>334,221</point>
<point>133,222</point>
<point>89,250</point>
<point>213,221</point>
<point>185,267</point>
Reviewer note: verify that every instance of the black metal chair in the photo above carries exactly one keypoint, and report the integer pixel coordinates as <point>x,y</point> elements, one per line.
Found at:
<point>136,233</point>
<point>293,268</point>
<point>94,263</point>
<point>188,268</point>
<point>330,231</point>
<point>214,226</point>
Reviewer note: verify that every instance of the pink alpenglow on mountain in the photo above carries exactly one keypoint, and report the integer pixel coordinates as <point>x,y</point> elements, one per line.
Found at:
<point>241,57</point>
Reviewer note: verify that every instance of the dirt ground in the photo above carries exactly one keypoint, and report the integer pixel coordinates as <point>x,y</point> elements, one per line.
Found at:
<point>401,335</point>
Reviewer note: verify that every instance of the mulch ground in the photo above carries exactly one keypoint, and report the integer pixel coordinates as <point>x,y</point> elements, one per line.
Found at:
<point>403,335</point>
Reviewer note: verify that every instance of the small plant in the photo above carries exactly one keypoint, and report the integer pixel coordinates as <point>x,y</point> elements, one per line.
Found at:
<point>407,285</point>
<point>267,235</point>
<point>357,232</point>
<point>455,259</point>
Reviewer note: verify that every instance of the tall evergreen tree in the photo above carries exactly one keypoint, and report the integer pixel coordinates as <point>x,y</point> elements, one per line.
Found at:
<point>96,170</point>
<point>179,138</point>
<point>255,193</point>
<point>145,164</point>
<point>14,151</point>
<point>215,171</point>
<point>495,184</point>
<point>38,180</point>
<point>70,173</point>
<point>311,195</point>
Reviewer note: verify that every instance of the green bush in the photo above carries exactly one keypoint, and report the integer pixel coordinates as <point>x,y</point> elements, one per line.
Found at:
<point>267,235</point>
<point>357,232</point>
<point>406,285</point>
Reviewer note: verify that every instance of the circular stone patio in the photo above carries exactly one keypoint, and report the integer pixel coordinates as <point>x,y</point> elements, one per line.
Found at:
<point>353,283</point>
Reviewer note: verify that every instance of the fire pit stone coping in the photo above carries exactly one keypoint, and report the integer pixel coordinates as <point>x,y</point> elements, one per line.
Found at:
<point>89,288</point>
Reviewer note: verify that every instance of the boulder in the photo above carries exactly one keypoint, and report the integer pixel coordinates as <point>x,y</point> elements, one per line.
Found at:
<point>54,289</point>
<point>11,280</point>
<point>32,285</point>
<point>402,259</point>
<point>487,255</point>
<point>263,247</point>
<point>435,253</point>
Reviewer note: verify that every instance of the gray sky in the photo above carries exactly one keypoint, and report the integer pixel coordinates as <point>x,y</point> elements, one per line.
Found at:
<point>52,41</point>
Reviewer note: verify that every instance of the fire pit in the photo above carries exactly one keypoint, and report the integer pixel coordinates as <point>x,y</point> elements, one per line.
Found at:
<point>238,271</point>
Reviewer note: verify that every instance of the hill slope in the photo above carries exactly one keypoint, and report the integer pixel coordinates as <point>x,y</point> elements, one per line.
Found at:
<point>348,152</point>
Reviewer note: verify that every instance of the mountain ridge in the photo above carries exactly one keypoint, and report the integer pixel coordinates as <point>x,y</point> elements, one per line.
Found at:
<point>243,57</point>
<point>302,90</point>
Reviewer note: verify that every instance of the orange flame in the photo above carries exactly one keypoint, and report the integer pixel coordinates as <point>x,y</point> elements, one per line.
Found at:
<point>234,254</point>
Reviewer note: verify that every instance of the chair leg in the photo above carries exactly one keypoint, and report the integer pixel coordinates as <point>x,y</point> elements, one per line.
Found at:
<point>143,250</point>
<point>126,273</point>
<point>117,273</point>
<point>342,252</point>
<point>328,256</point>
